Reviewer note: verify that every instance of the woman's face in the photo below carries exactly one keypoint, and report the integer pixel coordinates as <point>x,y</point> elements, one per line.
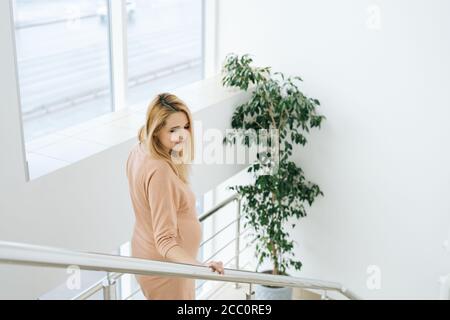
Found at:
<point>175,132</point>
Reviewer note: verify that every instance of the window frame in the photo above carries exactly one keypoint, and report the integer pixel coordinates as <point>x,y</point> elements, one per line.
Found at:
<point>118,55</point>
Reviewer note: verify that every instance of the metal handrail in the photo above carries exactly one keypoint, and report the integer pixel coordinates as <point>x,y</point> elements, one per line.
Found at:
<point>219,206</point>
<point>96,287</point>
<point>227,263</point>
<point>99,285</point>
<point>218,232</point>
<point>117,266</point>
<point>25,254</point>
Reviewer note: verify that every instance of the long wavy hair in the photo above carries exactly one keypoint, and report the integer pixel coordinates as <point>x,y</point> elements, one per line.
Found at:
<point>162,106</point>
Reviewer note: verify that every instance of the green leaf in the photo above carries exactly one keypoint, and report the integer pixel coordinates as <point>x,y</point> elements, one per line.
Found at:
<point>273,99</point>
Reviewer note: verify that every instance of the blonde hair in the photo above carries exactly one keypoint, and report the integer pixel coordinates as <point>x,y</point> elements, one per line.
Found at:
<point>162,106</point>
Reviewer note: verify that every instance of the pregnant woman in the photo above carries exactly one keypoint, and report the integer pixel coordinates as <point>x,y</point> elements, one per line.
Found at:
<point>166,223</point>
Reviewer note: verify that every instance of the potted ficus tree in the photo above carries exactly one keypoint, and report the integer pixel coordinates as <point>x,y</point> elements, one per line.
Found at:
<point>280,192</point>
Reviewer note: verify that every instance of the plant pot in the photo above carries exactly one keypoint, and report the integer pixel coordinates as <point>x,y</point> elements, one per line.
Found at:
<point>263,292</point>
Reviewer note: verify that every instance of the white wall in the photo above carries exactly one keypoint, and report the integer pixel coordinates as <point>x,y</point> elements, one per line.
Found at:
<point>84,206</point>
<point>382,157</point>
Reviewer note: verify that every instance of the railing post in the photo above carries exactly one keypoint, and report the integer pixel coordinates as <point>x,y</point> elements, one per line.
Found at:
<point>238,236</point>
<point>109,288</point>
<point>24,254</point>
<point>250,295</point>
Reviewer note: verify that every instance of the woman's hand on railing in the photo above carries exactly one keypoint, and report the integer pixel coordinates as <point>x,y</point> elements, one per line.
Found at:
<point>216,266</point>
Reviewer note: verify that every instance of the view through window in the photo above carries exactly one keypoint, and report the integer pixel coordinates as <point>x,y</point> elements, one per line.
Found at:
<point>63,63</point>
<point>164,46</point>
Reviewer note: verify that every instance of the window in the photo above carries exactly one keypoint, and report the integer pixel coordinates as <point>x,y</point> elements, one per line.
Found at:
<point>82,62</point>
<point>63,62</point>
<point>164,46</point>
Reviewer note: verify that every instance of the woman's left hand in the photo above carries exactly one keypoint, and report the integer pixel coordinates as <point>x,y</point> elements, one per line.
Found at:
<point>216,266</point>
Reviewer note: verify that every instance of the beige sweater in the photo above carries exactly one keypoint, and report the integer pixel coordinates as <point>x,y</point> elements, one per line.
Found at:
<point>165,213</point>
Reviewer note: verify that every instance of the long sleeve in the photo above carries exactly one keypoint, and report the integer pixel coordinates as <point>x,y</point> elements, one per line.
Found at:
<point>163,198</point>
